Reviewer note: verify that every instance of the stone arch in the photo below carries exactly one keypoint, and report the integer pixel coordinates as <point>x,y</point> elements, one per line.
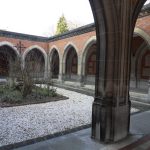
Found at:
<point>35,47</point>
<point>86,47</point>
<point>8,56</point>
<point>12,46</point>
<point>139,53</point>
<point>145,66</point>
<point>53,47</point>
<point>41,50</point>
<point>70,66</point>
<point>143,34</point>
<point>70,44</point>
<point>140,34</point>
<point>137,56</point>
<point>54,66</point>
<point>66,50</point>
<point>141,82</point>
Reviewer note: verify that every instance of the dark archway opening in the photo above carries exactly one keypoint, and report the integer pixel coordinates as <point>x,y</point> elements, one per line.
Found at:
<point>145,65</point>
<point>90,65</point>
<point>71,64</point>
<point>7,59</point>
<point>140,61</point>
<point>55,64</point>
<point>35,63</point>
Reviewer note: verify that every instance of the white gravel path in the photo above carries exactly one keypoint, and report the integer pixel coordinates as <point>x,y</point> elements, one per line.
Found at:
<point>26,122</point>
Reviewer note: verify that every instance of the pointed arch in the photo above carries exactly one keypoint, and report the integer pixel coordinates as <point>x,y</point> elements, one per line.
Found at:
<point>54,62</point>
<point>142,34</point>
<point>34,47</point>
<point>67,48</point>
<point>40,49</point>
<point>8,57</point>
<point>86,47</point>
<point>52,49</point>
<point>12,46</point>
<point>138,56</point>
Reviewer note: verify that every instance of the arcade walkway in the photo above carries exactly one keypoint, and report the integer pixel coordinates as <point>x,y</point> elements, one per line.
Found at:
<point>80,140</point>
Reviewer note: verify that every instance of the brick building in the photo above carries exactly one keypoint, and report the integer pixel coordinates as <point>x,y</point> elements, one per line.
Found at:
<point>72,55</point>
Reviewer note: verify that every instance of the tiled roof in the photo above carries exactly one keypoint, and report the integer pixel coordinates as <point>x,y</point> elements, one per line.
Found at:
<point>22,36</point>
<point>77,31</point>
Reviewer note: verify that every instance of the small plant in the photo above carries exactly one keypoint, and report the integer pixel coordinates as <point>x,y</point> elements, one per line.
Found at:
<point>48,91</point>
<point>17,71</point>
<point>22,88</point>
<point>53,92</point>
<point>8,95</point>
<point>40,94</point>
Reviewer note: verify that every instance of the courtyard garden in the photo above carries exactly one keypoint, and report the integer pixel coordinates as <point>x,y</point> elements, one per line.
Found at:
<point>21,123</point>
<point>13,96</point>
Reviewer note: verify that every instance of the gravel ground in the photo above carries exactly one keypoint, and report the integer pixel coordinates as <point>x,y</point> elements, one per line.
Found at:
<point>31,121</point>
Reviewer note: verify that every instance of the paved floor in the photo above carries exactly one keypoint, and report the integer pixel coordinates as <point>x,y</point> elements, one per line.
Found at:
<point>141,144</point>
<point>140,126</point>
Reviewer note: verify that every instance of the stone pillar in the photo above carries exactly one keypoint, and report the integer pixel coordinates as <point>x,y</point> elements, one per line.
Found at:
<point>80,72</point>
<point>61,71</point>
<point>48,65</point>
<point>46,70</point>
<point>148,91</point>
<point>115,21</point>
<point>133,78</point>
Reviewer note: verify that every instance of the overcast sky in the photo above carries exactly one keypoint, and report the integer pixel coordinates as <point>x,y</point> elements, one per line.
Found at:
<point>39,17</point>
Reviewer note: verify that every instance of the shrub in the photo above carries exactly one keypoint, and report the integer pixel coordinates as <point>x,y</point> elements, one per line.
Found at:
<point>10,96</point>
<point>52,92</point>
<point>46,91</point>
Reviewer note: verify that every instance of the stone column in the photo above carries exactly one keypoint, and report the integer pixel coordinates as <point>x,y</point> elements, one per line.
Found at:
<point>61,71</point>
<point>115,21</point>
<point>133,78</point>
<point>46,70</point>
<point>80,72</point>
<point>148,91</point>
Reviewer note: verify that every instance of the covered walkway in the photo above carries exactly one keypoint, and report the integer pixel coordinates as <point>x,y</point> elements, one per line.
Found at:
<point>139,138</point>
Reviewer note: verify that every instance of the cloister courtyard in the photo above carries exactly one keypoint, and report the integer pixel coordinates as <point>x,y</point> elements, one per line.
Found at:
<point>39,120</point>
<point>85,89</point>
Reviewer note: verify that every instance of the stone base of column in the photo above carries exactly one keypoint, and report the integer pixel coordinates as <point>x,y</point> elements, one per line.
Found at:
<point>80,80</point>
<point>61,78</point>
<point>133,83</point>
<point>110,123</point>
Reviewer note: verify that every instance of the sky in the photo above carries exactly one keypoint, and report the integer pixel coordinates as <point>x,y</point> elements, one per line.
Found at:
<point>40,17</point>
<point>148,1</point>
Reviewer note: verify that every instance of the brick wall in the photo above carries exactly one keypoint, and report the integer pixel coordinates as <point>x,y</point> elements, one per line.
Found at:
<point>77,40</point>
